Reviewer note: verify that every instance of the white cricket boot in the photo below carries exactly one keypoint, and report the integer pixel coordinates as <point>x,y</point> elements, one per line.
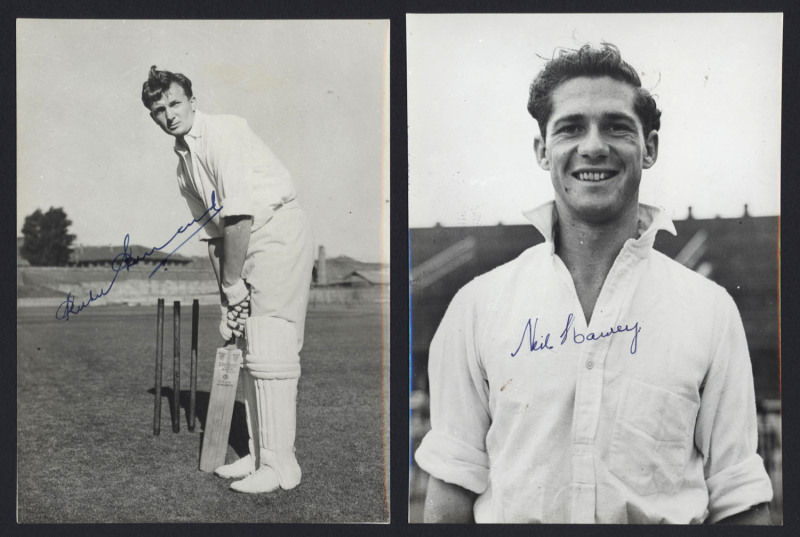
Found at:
<point>274,369</point>
<point>237,469</point>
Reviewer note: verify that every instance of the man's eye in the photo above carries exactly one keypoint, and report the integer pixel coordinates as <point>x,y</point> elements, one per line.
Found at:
<point>618,127</point>
<point>569,129</point>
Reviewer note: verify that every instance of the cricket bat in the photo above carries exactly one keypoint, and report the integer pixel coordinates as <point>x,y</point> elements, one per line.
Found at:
<point>220,407</point>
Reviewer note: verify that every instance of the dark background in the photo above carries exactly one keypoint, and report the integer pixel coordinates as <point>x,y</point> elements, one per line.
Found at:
<point>399,237</point>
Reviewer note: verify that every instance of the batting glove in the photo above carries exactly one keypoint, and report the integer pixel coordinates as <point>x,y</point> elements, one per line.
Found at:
<point>233,319</point>
<point>236,293</point>
<point>224,330</point>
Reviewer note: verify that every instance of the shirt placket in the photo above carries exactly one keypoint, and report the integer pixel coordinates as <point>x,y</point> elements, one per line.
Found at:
<point>197,180</point>
<point>185,155</point>
<point>589,386</point>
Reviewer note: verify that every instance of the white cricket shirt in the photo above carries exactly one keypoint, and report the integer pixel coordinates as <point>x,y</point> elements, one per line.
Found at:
<point>221,154</point>
<point>647,415</point>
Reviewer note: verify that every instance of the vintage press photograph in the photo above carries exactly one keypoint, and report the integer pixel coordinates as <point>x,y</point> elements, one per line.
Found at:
<point>594,211</point>
<point>203,271</point>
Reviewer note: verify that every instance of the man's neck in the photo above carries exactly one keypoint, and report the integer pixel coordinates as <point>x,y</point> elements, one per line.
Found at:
<point>180,143</point>
<point>589,250</point>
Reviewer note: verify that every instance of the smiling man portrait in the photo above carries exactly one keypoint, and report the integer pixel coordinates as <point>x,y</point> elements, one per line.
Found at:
<point>593,379</point>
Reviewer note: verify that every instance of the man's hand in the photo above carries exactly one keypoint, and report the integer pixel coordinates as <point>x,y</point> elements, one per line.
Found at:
<point>236,293</point>
<point>237,315</point>
<point>238,298</point>
<point>233,319</point>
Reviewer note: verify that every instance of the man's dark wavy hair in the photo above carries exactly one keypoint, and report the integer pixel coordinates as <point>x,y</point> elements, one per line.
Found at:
<point>159,81</point>
<point>590,62</point>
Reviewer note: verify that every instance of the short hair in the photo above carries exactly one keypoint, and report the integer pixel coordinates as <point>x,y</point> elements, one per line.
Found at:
<point>594,63</point>
<point>159,82</point>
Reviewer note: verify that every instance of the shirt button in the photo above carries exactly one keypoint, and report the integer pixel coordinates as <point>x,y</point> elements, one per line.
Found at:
<point>589,364</point>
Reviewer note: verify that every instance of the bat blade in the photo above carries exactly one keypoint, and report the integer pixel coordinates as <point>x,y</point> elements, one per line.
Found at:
<point>220,407</point>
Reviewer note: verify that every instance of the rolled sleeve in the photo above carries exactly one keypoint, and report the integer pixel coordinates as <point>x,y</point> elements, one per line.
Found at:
<point>455,448</point>
<point>738,488</point>
<point>727,429</point>
<point>453,461</point>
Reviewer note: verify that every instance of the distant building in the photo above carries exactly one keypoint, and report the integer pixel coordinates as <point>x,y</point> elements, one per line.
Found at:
<point>367,278</point>
<point>346,271</point>
<point>102,256</point>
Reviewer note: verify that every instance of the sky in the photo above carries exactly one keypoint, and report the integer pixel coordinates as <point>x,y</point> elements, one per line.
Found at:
<point>315,91</point>
<point>715,77</point>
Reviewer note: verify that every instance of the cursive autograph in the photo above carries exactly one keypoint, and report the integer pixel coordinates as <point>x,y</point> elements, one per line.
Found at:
<point>125,260</point>
<point>537,342</point>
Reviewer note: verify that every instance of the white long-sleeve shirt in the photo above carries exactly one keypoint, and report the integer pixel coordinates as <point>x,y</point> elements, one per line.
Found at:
<point>647,415</point>
<point>221,154</point>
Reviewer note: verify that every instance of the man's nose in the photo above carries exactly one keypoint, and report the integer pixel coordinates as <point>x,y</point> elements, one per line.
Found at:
<point>170,114</point>
<point>593,145</point>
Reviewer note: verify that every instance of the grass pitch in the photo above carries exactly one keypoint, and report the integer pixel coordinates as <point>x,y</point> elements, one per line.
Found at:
<point>86,450</point>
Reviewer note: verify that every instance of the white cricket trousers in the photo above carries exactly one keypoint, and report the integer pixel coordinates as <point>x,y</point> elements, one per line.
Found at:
<point>278,267</point>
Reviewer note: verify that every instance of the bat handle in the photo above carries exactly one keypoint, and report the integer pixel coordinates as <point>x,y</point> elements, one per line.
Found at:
<point>237,342</point>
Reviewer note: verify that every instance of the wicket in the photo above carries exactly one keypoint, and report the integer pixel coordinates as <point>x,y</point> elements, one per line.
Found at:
<point>176,364</point>
<point>193,363</point>
<point>159,360</point>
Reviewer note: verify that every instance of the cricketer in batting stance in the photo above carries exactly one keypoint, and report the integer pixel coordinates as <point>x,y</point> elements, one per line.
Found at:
<point>262,250</point>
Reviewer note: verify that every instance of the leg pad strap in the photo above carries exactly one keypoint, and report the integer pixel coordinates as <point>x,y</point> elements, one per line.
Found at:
<point>274,371</point>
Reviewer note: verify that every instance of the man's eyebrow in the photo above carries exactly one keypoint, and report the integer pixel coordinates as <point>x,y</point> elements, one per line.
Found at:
<point>568,119</point>
<point>619,116</point>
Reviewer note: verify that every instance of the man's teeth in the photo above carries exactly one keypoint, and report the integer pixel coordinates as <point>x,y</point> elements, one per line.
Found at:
<point>593,176</point>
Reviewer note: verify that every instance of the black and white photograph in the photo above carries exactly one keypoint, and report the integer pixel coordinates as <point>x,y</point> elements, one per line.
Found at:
<point>593,212</point>
<point>203,313</point>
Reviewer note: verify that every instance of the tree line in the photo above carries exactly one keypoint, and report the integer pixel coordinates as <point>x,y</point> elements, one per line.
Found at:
<point>47,241</point>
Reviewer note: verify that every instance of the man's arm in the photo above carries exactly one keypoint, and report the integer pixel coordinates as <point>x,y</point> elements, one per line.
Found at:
<point>758,515</point>
<point>227,255</point>
<point>215,255</point>
<point>726,430</point>
<point>453,452</point>
<point>235,240</point>
<point>448,503</point>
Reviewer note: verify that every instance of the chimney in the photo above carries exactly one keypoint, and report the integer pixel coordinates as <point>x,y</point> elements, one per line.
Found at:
<point>322,275</point>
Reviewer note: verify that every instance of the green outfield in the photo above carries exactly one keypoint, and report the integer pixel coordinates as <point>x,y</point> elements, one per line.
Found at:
<point>86,449</point>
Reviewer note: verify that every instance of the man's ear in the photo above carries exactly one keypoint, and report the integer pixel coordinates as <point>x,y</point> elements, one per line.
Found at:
<point>194,105</point>
<point>651,149</point>
<point>540,149</point>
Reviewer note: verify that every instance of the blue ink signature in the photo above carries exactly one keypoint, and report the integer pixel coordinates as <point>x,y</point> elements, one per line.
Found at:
<point>591,336</point>
<point>125,260</point>
<point>533,345</point>
<point>536,343</point>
